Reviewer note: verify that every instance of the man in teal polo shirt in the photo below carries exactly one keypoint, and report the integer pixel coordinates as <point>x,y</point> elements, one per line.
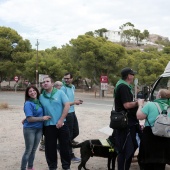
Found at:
<point>71,118</point>
<point>56,105</point>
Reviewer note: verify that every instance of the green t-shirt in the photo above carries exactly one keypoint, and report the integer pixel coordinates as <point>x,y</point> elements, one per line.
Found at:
<point>151,111</point>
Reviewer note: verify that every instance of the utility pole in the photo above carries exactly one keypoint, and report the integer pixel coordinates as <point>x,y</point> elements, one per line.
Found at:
<point>37,64</point>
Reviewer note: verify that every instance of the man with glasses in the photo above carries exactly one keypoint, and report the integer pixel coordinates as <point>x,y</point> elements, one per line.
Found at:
<point>125,139</point>
<point>71,119</point>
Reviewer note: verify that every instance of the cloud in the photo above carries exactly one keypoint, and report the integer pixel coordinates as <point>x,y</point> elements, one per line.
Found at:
<point>56,22</point>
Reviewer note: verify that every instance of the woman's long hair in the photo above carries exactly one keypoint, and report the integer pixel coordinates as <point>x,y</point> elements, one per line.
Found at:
<point>27,97</point>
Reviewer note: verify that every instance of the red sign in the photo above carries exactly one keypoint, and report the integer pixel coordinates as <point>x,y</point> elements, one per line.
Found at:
<point>103,79</point>
<point>16,78</point>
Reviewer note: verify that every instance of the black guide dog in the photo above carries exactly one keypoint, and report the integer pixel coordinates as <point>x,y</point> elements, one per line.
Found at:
<point>90,148</point>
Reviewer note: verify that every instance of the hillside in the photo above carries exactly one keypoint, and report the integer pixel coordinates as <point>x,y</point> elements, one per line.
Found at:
<point>150,43</point>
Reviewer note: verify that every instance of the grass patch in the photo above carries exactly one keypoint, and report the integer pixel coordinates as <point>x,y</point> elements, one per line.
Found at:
<point>4,106</point>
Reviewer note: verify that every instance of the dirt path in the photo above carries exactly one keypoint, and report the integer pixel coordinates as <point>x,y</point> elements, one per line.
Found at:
<point>12,142</point>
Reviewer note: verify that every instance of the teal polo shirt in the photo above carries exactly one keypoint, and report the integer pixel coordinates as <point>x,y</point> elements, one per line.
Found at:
<point>53,107</point>
<point>70,94</point>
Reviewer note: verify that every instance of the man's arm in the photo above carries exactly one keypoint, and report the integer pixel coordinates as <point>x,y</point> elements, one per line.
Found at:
<point>140,115</point>
<point>126,98</point>
<point>76,102</point>
<point>130,105</point>
<point>63,116</point>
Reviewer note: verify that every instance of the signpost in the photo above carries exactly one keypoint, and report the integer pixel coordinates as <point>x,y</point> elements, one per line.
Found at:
<point>104,83</point>
<point>16,80</point>
<point>136,84</point>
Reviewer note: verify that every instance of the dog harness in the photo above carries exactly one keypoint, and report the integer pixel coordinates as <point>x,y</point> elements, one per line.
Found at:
<point>104,143</point>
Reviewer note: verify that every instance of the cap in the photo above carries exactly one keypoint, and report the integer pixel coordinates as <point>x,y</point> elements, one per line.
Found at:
<point>127,71</point>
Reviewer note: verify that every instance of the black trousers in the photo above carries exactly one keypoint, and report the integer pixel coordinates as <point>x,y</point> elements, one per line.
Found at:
<point>51,136</point>
<point>154,166</point>
<point>126,144</point>
<point>73,126</point>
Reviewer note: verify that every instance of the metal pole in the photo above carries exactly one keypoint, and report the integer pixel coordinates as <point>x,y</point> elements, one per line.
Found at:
<point>37,64</point>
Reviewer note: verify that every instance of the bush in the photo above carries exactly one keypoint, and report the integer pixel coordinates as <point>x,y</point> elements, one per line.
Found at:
<point>4,106</point>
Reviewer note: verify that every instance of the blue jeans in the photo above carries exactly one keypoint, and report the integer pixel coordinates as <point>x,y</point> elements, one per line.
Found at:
<point>32,138</point>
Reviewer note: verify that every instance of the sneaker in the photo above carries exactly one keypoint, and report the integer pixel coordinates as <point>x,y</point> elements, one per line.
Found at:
<point>66,169</point>
<point>42,148</point>
<point>75,160</point>
<point>30,169</point>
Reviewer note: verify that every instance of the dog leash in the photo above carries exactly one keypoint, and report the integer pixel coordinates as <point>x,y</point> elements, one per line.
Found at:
<point>91,146</point>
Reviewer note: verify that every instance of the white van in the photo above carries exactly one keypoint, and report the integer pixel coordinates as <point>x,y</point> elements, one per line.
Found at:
<point>162,82</point>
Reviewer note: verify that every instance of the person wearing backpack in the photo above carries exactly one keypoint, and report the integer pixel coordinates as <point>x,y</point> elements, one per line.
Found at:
<point>154,151</point>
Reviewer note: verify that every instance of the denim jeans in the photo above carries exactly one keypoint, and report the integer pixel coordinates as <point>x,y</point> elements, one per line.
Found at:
<point>51,136</point>
<point>32,138</point>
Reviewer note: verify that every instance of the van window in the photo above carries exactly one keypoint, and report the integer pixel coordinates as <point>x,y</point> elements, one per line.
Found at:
<point>162,83</point>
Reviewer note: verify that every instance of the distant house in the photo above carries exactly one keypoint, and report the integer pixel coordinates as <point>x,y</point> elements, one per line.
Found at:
<point>115,36</point>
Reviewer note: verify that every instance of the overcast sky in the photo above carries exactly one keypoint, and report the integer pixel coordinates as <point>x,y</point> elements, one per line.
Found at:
<point>56,22</point>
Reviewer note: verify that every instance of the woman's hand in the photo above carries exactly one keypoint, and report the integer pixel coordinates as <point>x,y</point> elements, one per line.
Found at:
<point>23,121</point>
<point>46,117</point>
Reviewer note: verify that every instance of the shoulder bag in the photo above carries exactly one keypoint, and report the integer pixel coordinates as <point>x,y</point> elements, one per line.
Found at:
<point>118,120</point>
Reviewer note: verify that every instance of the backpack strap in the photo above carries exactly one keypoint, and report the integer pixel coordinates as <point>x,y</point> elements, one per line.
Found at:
<point>159,109</point>
<point>157,105</point>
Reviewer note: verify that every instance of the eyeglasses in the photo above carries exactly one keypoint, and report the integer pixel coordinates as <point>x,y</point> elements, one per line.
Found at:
<point>66,78</point>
